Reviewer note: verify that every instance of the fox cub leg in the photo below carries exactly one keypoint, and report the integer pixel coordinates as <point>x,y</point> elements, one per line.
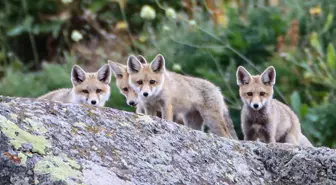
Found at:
<point>291,138</point>
<point>249,134</point>
<point>265,133</point>
<point>269,133</point>
<point>193,120</point>
<point>293,134</point>
<point>215,121</point>
<point>150,111</point>
<point>140,110</point>
<point>167,111</point>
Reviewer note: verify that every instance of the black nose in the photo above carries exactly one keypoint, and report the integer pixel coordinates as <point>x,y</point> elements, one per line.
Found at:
<point>255,106</point>
<point>145,94</point>
<point>131,103</point>
<point>93,102</point>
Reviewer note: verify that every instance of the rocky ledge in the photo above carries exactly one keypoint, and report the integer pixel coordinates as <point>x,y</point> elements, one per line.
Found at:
<point>43,142</point>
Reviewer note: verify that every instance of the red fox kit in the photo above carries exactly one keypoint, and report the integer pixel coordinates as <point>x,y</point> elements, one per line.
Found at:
<point>263,117</point>
<point>88,88</point>
<point>121,75</point>
<point>173,94</point>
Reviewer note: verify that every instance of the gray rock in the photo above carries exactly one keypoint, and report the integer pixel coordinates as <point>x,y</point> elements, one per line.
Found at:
<point>50,143</point>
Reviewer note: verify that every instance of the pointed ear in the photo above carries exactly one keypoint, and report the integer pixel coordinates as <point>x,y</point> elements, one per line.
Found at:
<point>158,64</point>
<point>243,76</point>
<point>142,59</point>
<point>77,75</point>
<point>104,74</point>
<point>268,76</point>
<point>133,64</point>
<point>118,69</point>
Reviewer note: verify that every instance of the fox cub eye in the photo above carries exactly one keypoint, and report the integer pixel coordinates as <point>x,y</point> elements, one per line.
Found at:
<point>99,90</point>
<point>152,82</point>
<point>125,89</point>
<point>249,94</point>
<point>139,82</point>
<point>262,93</point>
<point>85,91</point>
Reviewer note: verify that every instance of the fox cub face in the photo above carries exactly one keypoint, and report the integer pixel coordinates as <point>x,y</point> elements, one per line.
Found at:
<point>146,79</point>
<point>122,81</point>
<point>91,88</point>
<point>256,91</point>
<point>121,75</point>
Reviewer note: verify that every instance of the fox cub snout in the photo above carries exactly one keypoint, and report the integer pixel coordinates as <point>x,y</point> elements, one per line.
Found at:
<point>262,117</point>
<point>88,88</point>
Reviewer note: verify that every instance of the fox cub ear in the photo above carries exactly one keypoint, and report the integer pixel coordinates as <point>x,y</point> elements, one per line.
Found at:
<point>142,59</point>
<point>243,76</point>
<point>77,75</point>
<point>133,64</point>
<point>104,74</point>
<point>268,76</point>
<point>118,69</point>
<point>158,64</point>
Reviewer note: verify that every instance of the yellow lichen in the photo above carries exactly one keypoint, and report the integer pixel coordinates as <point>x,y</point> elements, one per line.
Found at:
<point>145,118</point>
<point>94,129</point>
<point>17,136</point>
<point>71,162</point>
<point>124,124</point>
<point>23,158</point>
<point>13,116</point>
<point>36,125</point>
<point>29,154</point>
<point>36,181</point>
<point>59,168</point>
<point>79,125</point>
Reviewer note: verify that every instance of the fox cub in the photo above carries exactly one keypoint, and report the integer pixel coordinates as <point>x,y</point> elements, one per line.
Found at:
<point>88,88</point>
<point>122,79</point>
<point>174,94</point>
<point>263,117</point>
<point>121,75</point>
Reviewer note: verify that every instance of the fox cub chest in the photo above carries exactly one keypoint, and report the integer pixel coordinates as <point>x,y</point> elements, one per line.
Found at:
<point>256,117</point>
<point>257,124</point>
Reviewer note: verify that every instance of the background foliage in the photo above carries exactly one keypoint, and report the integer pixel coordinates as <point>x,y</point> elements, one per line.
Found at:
<point>40,41</point>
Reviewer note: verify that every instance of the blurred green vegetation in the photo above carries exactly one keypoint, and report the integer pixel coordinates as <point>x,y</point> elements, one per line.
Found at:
<point>204,38</point>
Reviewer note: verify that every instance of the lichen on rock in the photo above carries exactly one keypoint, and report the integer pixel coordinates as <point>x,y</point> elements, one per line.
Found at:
<point>59,168</point>
<point>17,136</point>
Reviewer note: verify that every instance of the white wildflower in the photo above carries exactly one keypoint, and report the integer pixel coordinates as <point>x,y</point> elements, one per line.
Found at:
<point>165,28</point>
<point>66,1</point>
<point>192,23</point>
<point>147,12</point>
<point>170,13</point>
<point>76,36</point>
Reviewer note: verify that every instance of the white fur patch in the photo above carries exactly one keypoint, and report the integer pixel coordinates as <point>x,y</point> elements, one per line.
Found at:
<point>260,105</point>
<point>133,86</point>
<point>76,98</point>
<point>157,90</point>
<point>104,98</point>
